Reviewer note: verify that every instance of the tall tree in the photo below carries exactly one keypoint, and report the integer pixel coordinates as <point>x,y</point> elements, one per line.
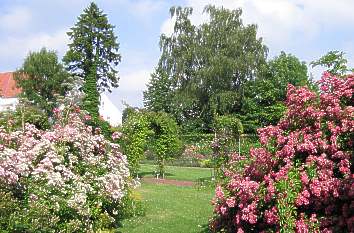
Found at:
<point>205,67</point>
<point>265,97</point>
<point>158,95</point>
<point>93,55</point>
<point>43,79</point>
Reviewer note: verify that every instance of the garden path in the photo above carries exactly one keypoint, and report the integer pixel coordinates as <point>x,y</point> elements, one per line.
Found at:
<point>168,181</point>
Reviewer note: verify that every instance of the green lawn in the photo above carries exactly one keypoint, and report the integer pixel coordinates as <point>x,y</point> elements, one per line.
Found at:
<point>177,173</point>
<point>172,209</point>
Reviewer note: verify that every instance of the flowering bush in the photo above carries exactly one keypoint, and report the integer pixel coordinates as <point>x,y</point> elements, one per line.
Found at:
<point>65,179</point>
<point>192,152</point>
<point>301,179</point>
<point>197,151</point>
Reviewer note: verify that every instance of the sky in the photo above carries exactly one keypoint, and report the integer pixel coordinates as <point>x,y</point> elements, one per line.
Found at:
<point>307,29</point>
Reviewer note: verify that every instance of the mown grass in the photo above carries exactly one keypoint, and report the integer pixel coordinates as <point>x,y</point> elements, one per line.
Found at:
<point>177,173</point>
<point>170,208</point>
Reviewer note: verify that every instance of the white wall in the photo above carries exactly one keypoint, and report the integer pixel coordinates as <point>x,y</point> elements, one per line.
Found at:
<point>8,103</point>
<point>109,111</point>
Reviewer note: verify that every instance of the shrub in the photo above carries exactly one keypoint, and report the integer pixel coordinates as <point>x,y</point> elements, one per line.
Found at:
<point>228,130</point>
<point>151,133</point>
<point>165,142</point>
<point>192,152</point>
<point>301,179</point>
<point>24,113</point>
<point>64,179</point>
<point>134,140</point>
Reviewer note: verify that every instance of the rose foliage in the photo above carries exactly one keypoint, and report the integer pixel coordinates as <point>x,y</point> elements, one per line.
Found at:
<point>301,178</point>
<point>65,179</point>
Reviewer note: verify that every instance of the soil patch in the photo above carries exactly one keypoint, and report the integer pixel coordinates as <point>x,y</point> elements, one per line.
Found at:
<point>167,181</point>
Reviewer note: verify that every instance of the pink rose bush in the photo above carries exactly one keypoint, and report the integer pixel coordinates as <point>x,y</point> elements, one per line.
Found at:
<point>301,179</point>
<point>73,175</point>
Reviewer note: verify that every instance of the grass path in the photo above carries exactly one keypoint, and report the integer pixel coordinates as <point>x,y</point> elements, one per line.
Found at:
<point>170,208</point>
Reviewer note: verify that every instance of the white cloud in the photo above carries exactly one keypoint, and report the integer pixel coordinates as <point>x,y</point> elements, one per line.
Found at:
<point>57,41</point>
<point>142,9</point>
<point>17,18</point>
<point>145,7</point>
<point>131,86</point>
<point>282,23</point>
<point>167,26</point>
<point>134,81</point>
<point>19,47</point>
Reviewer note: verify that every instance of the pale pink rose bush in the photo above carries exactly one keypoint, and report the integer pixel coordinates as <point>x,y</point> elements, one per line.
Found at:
<point>77,177</point>
<point>301,179</point>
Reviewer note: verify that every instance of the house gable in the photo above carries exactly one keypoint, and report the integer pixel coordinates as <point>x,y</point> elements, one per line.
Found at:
<point>8,88</point>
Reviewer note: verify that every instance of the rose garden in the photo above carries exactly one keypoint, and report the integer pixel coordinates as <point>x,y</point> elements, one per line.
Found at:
<point>227,141</point>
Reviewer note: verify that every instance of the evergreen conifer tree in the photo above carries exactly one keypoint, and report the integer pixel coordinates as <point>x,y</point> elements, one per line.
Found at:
<point>93,55</point>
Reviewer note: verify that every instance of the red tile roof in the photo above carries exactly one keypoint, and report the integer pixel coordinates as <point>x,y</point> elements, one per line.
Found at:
<point>8,87</point>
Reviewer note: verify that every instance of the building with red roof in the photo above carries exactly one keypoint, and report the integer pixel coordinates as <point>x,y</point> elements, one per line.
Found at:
<point>8,91</point>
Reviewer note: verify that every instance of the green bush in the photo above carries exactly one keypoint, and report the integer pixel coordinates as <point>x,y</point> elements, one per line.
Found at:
<point>194,138</point>
<point>153,133</point>
<point>228,130</point>
<point>206,163</point>
<point>34,217</point>
<point>165,142</point>
<point>134,141</point>
<point>14,120</point>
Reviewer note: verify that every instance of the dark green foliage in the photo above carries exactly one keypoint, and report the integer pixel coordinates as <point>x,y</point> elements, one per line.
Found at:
<point>103,125</point>
<point>128,110</point>
<point>158,95</point>
<point>156,132</point>
<point>134,142</point>
<point>36,217</point>
<point>43,79</point>
<point>283,70</point>
<point>265,97</point>
<point>165,142</point>
<point>194,138</point>
<point>24,113</point>
<point>93,55</point>
<point>203,69</point>
<point>91,100</point>
<point>334,62</point>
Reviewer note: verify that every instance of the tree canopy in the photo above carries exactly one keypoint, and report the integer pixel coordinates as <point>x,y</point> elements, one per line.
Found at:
<point>264,103</point>
<point>43,79</point>
<point>203,69</point>
<point>93,55</point>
